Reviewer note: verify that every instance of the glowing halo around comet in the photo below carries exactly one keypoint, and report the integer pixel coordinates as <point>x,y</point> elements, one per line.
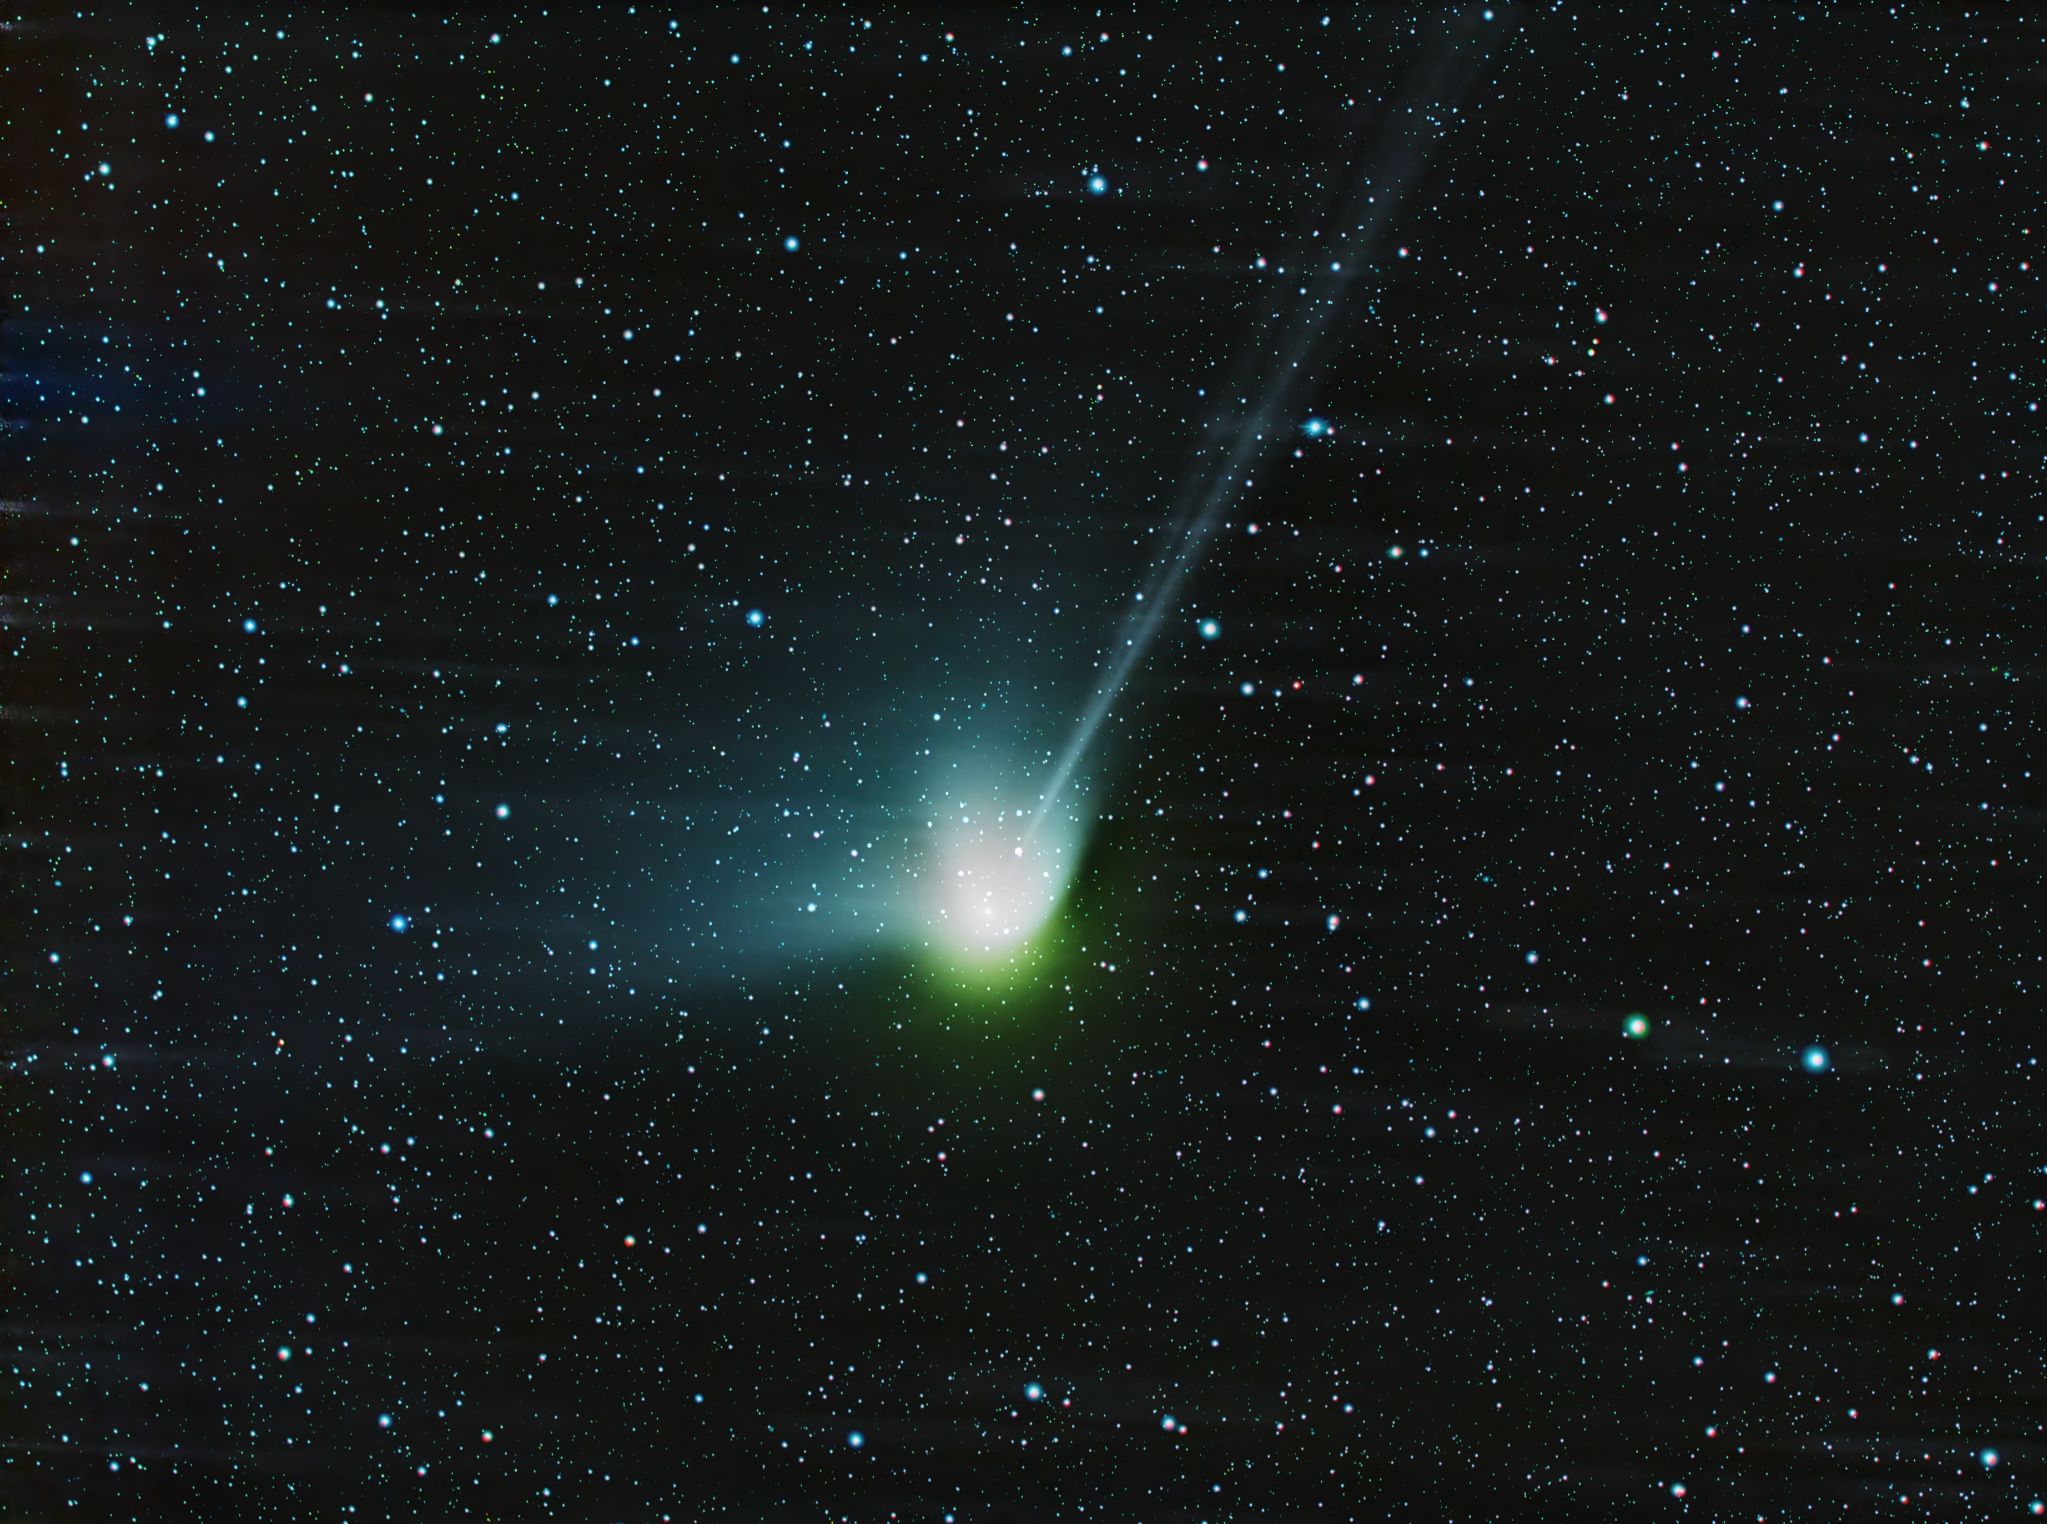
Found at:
<point>993,886</point>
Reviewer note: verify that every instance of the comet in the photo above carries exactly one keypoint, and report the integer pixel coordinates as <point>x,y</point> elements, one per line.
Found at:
<point>999,881</point>
<point>996,886</point>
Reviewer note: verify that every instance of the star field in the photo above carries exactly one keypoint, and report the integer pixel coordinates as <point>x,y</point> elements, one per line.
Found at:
<point>1174,764</point>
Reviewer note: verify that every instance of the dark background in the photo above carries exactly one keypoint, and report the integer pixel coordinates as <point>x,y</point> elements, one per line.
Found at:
<point>1701,406</point>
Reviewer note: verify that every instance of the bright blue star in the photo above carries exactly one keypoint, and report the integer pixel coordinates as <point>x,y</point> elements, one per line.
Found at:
<point>1815,1059</point>
<point>756,618</point>
<point>1099,184</point>
<point>400,923</point>
<point>1315,428</point>
<point>1210,628</point>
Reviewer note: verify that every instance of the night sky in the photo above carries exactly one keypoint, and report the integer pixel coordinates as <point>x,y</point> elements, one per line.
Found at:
<point>1176,764</point>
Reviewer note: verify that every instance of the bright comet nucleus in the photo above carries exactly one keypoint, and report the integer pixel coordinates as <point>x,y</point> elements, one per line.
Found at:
<point>995,885</point>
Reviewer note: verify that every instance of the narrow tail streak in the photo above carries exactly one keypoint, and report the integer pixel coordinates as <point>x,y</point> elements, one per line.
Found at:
<point>1205,497</point>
